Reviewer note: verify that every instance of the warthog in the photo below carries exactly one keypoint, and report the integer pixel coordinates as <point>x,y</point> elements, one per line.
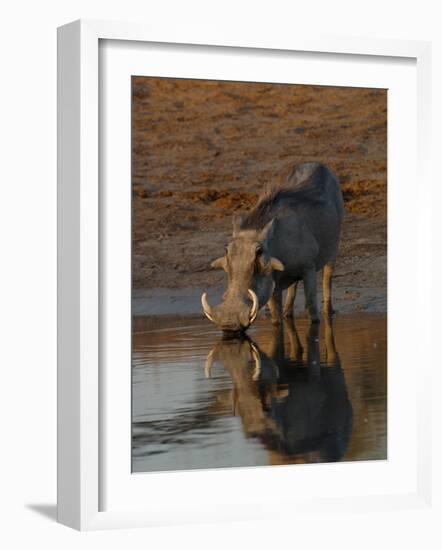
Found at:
<point>291,233</point>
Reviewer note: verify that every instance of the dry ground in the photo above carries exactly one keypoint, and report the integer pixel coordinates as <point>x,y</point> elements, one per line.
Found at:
<point>203,150</point>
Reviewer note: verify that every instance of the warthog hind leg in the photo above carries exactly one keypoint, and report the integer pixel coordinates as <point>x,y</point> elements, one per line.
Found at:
<point>311,300</point>
<point>327,274</point>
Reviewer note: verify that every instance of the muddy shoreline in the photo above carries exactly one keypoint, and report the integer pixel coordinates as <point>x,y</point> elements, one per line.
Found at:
<point>186,301</point>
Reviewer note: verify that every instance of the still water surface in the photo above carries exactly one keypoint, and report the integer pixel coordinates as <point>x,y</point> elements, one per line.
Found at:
<point>294,395</point>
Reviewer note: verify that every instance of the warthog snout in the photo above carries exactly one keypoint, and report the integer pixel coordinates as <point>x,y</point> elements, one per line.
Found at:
<point>232,315</point>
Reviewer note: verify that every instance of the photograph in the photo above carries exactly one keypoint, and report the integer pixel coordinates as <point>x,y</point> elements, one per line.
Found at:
<point>259,274</point>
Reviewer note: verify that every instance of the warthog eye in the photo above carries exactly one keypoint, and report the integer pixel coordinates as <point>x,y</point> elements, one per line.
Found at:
<point>258,251</point>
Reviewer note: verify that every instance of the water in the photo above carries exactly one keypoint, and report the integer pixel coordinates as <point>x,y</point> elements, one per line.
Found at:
<point>297,395</point>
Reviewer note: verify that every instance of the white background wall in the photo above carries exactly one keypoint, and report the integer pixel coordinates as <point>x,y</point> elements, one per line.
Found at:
<point>28,265</point>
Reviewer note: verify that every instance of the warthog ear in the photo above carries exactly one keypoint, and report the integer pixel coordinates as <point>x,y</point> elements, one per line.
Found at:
<point>219,263</point>
<point>272,265</point>
<point>276,264</point>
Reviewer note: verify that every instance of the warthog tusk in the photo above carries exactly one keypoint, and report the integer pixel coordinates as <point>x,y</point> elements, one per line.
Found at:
<point>254,310</point>
<point>257,359</point>
<point>206,308</point>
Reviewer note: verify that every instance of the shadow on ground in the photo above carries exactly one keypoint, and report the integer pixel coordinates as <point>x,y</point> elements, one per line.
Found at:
<point>48,511</point>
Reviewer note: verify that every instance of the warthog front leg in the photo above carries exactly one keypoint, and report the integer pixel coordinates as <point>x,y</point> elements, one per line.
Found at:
<point>296,349</point>
<point>290,301</point>
<point>327,273</point>
<point>311,300</point>
<point>275,306</point>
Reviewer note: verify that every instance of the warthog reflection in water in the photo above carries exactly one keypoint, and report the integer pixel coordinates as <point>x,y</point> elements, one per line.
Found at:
<point>298,409</point>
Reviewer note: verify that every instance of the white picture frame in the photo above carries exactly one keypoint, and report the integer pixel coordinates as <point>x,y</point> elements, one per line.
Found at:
<point>80,265</point>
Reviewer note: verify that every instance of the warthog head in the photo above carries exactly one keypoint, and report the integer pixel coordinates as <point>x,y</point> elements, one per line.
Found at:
<point>249,267</point>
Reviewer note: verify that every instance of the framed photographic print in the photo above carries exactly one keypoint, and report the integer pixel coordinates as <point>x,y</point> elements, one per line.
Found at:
<point>234,218</point>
